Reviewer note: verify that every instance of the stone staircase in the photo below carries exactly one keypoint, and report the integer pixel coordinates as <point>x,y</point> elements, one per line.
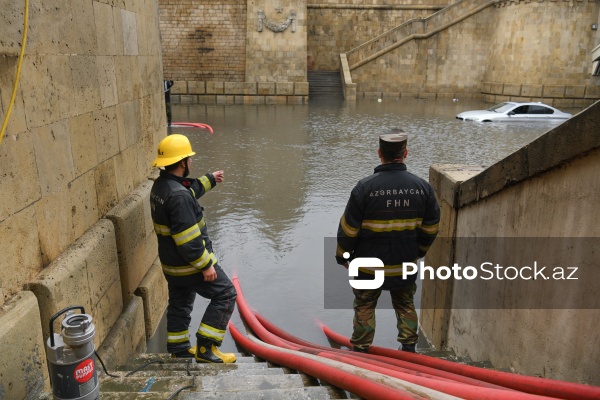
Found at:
<point>157,376</point>
<point>418,28</point>
<point>324,85</point>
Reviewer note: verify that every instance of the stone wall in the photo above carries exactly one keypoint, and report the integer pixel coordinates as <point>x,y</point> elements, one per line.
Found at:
<point>88,115</point>
<point>552,48</point>
<point>203,40</point>
<point>474,58</point>
<point>84,128</point>
<point>329,24</point>
<point>216,53</point>
<point>429,62</point>
<point>546,189</point>
<point>495,54</point>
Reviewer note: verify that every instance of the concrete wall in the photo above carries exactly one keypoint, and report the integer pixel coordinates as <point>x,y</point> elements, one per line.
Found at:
<point>88,116</point>
<point>546,189</point>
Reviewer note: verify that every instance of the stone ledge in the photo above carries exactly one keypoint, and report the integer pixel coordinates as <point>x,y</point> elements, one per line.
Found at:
<point>136,240</point>
<point>554,95</point>
<point>155,296</point>
<point>87,275</point>
<point>447,178</point>
<point>238,99</point>
<point>127,336</point>
<point>23,365</point>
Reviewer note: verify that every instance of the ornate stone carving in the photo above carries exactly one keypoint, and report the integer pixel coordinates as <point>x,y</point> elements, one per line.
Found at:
<point>275,27</point>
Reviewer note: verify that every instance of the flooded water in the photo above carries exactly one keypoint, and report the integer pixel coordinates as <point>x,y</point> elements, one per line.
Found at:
<point>288,173</point>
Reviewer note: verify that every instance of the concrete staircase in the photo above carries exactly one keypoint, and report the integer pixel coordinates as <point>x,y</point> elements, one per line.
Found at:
<point>324,85</point>
<point>157,376</point>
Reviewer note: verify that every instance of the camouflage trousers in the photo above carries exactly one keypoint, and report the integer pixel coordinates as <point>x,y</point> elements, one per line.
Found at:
<point>365,301</point>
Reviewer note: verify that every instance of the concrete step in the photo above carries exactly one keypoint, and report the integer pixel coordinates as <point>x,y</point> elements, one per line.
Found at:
<point>158,376</point>
<point>324,84</point>
<point>251,382</point>
<point>313,393</point>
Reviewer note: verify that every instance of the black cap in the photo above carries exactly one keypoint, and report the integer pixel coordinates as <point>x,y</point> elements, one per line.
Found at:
<point>393,144</point>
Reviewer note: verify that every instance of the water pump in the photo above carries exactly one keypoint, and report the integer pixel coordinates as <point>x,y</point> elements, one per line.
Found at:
<point>71,357</point>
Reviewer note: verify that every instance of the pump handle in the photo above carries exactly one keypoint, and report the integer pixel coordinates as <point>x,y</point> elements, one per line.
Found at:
<point>64,310</point>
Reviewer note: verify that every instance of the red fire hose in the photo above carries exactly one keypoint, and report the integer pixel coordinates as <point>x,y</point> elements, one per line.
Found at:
<point>194,124</point>
<point>381,365</point>
<point>407,367</point>
<point>527,384</point>
<point>344,380</point>
<point>436,383</point>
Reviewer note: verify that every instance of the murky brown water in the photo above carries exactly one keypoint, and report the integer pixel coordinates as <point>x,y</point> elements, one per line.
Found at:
<point>288,173</point>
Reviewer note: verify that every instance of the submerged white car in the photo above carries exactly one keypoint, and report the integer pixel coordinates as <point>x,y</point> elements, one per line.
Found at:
<point>513,111</point>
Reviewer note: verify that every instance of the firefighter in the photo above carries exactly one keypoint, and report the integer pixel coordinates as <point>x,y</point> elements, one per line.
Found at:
<point>186,254</point>
<point>392,215</point>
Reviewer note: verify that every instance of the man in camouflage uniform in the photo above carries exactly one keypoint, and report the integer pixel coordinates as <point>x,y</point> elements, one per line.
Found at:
<point>391,215</point>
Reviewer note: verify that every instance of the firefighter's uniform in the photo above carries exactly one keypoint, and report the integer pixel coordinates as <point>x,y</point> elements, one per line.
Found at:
<point>392,215</point>
<point>185,249</point>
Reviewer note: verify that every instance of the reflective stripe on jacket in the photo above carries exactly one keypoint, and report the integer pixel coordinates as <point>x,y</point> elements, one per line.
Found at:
<point>184,247</point>
<point>392,215</point>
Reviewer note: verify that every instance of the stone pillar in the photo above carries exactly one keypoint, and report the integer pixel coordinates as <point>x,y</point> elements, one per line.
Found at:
<point>276,41</point>
<point>436,300</point>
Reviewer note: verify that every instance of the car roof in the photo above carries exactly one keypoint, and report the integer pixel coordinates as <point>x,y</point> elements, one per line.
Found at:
<point>527,103</point>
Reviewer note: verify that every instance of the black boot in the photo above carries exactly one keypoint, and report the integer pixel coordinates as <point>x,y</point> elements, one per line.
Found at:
<point>360,349</point>
<point>208,352</point>
<point>187,353</point>
<point>411,348</point>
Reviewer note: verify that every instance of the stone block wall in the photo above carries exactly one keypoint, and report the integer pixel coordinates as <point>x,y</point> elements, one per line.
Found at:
<point>216,54</point>
<point>85,275</point>
<point>553,54</point>
<point>328,27</point>
<point>194,92</point>
<point>276,56</point>
<point>113,272</point>
<point>435,66</point>
<point>203,40</point>
<point>494,54</point>
<point>88,115</point>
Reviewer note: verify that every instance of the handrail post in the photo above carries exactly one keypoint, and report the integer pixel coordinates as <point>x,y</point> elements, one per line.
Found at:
<point>348,87</point>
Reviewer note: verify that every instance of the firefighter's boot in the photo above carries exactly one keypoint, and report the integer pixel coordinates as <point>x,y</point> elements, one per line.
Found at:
<point>187,353</point>
<point>208,352</point>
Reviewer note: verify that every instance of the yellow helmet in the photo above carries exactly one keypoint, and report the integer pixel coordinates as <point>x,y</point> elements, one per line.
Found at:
<point>172,149</point>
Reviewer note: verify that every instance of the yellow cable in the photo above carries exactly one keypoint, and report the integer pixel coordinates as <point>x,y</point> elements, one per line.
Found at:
<point>14,92</point>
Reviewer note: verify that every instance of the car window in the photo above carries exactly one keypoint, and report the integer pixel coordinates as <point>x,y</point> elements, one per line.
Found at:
<point>502,107</point>
<point>521,110</point>
<point>540,110</point>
